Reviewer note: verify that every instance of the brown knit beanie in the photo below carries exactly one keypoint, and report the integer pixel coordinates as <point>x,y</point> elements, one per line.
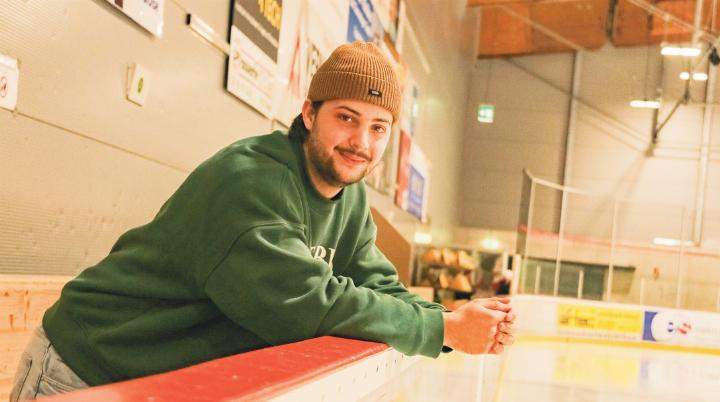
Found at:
<point>357,71</point>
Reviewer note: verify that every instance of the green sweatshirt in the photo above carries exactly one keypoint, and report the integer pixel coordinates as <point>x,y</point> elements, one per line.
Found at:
<point>246,254</point>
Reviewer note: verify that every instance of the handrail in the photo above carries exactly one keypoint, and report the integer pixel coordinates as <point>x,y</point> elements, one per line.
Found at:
<point>265,374</point>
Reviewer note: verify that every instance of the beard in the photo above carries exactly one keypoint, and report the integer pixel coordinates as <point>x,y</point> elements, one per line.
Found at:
<point>324,165</point>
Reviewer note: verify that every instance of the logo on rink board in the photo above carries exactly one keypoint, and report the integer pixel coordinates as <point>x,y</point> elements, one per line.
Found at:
<point>665,325</point>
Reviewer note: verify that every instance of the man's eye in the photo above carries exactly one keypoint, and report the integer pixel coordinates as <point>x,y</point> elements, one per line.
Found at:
<point>380,129</point>
<point>345,117</point>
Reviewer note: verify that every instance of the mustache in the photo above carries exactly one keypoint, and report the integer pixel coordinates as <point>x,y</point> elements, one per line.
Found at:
<point>355,153</point>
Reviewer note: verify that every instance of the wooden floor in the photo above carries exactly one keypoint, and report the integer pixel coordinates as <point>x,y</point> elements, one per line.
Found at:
<point>23,300</point>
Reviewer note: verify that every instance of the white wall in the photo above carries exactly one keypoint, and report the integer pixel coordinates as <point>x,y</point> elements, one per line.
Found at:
<point>609,157</point>
<point>528,133</point>
<point>79,164</point>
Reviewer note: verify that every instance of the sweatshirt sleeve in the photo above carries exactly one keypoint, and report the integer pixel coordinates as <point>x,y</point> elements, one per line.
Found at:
<point>371,269</point>
<point>269,284</point>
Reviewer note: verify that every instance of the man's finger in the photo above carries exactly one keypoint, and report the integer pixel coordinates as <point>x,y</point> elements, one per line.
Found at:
<point>504,339</point>
<point>510,317</point>
<point>497,348</point>
<point>506,327</point>
<point>499,316</point>
<point>504,300</point>
<point>495,305</point>
<point>509,340</point>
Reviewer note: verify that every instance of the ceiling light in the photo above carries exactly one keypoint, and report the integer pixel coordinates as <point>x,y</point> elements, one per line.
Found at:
<point>662,241</point>
<point>490,243</point>
<point>422,238</point>
<point>645,104</point>
<point>696,76</point>
<point>680,51</point>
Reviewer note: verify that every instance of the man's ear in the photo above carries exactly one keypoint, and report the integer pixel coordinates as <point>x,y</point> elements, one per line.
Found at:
<point>308,114</point>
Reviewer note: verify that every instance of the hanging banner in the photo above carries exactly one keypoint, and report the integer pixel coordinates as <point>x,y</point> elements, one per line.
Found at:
<point>403,171</point>
<point>364,23</point>
<point>412,178</point>
<point>9,78</point>
<point>410,106</point>
<point>291,77</point>
<point>387,11</point>
<point>149,14</point>
<point>418,183</point>
<point>254,42</point>
<point>327,24</point>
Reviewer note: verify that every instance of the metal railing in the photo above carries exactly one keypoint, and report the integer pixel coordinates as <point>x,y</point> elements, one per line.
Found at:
<point>582,242</point>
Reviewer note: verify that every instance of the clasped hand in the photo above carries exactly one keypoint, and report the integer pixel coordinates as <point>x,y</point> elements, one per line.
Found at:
<point>480,326</point>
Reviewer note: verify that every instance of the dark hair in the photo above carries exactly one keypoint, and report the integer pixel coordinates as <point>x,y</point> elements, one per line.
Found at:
<point>297,128</point>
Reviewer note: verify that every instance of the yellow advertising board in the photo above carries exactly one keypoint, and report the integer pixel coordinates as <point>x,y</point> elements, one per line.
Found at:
<point>605,319</point>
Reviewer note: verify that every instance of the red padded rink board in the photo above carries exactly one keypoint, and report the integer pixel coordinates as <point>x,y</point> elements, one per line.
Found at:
<point>256,375</point>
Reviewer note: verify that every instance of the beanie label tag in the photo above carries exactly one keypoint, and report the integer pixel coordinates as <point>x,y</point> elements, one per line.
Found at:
<point>374,92</point>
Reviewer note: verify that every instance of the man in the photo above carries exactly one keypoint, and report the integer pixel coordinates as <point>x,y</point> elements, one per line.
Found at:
<point>270,241</point>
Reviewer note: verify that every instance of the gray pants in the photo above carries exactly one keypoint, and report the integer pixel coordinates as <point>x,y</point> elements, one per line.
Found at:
<point>42,371</point>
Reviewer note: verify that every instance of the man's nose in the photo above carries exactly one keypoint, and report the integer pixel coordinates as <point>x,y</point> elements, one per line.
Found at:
<point>360,139</point>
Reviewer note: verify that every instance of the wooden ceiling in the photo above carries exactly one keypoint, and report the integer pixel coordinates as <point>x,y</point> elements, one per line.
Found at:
<point>517,27</point>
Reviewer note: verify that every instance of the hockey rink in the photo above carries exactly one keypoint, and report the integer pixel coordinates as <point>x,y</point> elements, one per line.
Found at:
<point>542,371</point>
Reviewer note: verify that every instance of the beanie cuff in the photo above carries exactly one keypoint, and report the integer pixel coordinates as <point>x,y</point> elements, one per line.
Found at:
<point>327,85</point>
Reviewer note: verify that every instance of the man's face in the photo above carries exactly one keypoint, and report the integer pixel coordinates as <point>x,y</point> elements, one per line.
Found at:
<point>347,139</point>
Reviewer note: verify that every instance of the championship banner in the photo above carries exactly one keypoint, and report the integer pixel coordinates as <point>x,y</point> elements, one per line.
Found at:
<point>254,42</point>
<point>149,14</point>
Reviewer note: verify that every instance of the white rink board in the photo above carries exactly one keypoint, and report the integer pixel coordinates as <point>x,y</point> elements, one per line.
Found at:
<point>539,316</point>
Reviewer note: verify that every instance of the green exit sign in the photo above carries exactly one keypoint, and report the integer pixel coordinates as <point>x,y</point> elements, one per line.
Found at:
<point>485,113</point>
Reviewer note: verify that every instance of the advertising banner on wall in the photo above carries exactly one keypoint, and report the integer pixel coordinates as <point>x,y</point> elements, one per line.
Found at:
<point>364,23</point>
<point>327,24</point>
<point>9,78</point>
<point>310,31</point>
<point>254,42</point>
<point>149,14</point>
<point>410,104</point>
<point>412,178</point>
<point>387,11</point>
<point>291,79</point>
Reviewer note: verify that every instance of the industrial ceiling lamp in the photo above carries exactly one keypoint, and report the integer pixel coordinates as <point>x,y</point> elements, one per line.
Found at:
<point>684,51</point>
<point>685,75</point>
<point>678,50</point>
<point>486,110</point>
<point>646,103</point>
